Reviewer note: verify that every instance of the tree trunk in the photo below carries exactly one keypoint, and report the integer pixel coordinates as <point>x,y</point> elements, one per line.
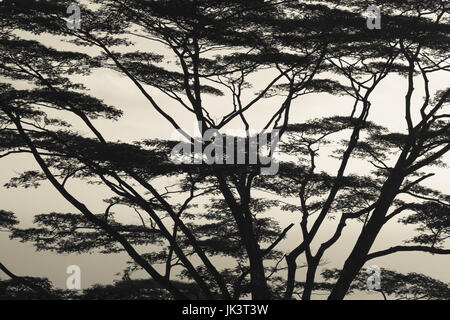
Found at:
<point>357,257</point>
<point>260,290</point>
<point>309,284</point>
<point>243,219</point>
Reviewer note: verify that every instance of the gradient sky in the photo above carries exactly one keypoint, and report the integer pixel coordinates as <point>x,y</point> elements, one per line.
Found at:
<point>140,121</point>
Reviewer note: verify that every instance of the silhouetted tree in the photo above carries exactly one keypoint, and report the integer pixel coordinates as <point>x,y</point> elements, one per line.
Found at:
<point>216,47</point>
<point>411,286</point>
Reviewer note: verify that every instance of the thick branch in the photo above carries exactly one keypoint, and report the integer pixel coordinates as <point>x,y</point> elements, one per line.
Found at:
<point>406,249</point>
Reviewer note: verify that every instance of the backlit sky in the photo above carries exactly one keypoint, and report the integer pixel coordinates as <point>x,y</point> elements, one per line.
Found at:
<point>140,121</point>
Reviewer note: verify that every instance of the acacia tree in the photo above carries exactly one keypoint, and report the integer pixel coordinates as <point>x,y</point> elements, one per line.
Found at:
<point>215,49</point>
<point>397,286</point>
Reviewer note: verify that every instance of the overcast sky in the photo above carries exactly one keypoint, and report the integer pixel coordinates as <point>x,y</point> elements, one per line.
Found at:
<point>140,121</point>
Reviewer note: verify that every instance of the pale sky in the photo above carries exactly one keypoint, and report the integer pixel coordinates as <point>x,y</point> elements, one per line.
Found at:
<point>140,121</point>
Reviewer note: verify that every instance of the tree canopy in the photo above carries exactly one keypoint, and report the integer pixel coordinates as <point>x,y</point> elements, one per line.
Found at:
<point>215,48</point>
